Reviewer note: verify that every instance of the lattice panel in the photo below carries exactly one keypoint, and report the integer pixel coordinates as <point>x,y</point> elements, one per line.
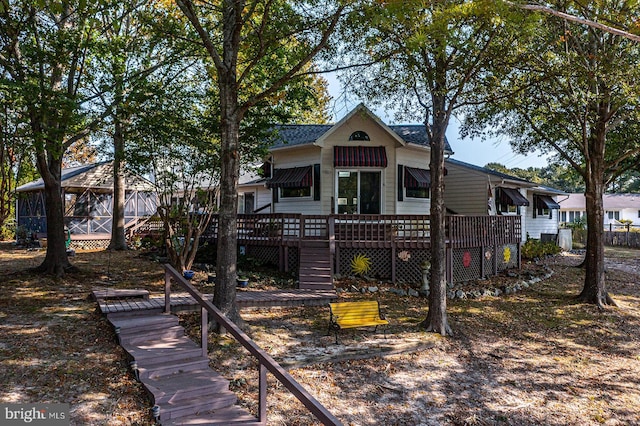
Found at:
<point>489,257</point>
<point>410,271</point>
<point>293,260</point>
<point>466,264</point>
<point>507,256</point>
<point>89,244</point>
<point>380,261</point>
<point>266,254</point>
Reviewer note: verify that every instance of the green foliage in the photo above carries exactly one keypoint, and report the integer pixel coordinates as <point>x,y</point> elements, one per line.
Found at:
<point>578,224</point>
<point>533,249</point>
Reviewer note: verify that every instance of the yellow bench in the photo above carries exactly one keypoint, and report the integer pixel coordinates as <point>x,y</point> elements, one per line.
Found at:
<point>355,314</point>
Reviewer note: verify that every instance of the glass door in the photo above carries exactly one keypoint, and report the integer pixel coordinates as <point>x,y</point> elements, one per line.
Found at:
<point>347,192</point>
<point>369,192</point>
<point>358,192</point>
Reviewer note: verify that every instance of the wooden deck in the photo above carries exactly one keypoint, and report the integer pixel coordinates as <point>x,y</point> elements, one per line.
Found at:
<point>112,301</point>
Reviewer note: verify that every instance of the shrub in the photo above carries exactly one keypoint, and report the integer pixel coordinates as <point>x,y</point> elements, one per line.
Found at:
<point>532,249</point>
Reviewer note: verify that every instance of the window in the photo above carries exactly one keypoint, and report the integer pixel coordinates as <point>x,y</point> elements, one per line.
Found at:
<point>417,182</point>
<point>295,192</point>
<point>509,200</point>
<point>563,216</point>
<point>294,182</point>
<point>543,206</point>
<point>639,213</point>
<point>613,215</point>
<point>359,135</point>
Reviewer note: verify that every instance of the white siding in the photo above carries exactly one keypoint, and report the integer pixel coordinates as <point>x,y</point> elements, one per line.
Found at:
<point>297,157</point>
<point>540,224</point>
<point>378,137</point>
<point>631,214</point>
<point>411,157</point>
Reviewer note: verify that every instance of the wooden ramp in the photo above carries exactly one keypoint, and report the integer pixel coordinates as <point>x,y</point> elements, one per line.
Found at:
<point>175,372</point>
<point>314,272</point>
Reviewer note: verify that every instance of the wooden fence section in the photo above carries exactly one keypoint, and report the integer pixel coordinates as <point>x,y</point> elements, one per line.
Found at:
<point>622,238</point>
<point>480,231</point>
<point>265,361</point>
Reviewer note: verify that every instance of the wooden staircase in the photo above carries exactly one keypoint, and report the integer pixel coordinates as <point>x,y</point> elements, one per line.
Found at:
<point>315,272</point>
<point>176,372</point>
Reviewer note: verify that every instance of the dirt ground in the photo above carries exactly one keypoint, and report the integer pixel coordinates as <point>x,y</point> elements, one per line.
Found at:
<point>535,357</point>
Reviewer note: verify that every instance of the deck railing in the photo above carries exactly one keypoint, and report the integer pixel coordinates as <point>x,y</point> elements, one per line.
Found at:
<point>461,231</point>
<point>266,362</point>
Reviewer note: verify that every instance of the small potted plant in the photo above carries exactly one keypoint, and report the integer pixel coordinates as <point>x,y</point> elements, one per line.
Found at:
<point>242,282</point>
<point>188,274</point>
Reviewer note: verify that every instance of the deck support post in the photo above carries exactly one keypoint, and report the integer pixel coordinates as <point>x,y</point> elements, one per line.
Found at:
<point>204,331</point>
<point>167,293</point>
<point>262,403</point>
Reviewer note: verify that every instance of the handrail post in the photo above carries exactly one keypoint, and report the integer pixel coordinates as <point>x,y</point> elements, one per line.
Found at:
<point>167,292</point>
<point>262,395</point>
<point>204,330</point>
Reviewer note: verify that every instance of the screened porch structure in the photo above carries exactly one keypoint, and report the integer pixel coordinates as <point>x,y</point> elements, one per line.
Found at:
<point>87,192</point>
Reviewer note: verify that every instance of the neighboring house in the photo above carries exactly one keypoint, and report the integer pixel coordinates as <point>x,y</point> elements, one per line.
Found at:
<point>475,190</point>
<point>357,166</point>
<point>617,207</point>
<point>253,194</point>
<point>88,202</point>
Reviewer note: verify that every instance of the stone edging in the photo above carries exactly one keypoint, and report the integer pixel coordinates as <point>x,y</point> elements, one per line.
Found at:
<point>452,293</point>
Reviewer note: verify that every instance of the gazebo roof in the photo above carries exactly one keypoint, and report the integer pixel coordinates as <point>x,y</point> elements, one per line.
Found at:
<point>97,176</point>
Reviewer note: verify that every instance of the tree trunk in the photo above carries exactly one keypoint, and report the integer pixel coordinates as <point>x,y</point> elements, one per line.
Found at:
<point>56,261</point>
<point>594,290</point>
<point>224,296</point>
<point>118,238</point>
<point>436,320</point>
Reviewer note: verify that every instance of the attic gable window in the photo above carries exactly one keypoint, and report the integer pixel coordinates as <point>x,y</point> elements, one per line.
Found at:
<point>359,135</point>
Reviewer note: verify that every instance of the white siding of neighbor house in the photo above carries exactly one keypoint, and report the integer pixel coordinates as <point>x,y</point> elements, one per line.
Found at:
<point>378,137</point>
<point>297,157</point>
<point>631,214</point>
<point>540,224</point>
<point>262,196</point>
<point>466,191</point>
<point>417,157</point>
<point>625,214</point>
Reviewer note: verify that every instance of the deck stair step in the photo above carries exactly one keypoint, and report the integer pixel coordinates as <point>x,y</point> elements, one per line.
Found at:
<point>140,323</point>
<point>166,349</point>
<point>176,373</point>
<point>233,415</point>
<point>171,332</point>
<point>314,271</point>
<point>188,385</point>
<point>172,409</point>
<point>167,368</point>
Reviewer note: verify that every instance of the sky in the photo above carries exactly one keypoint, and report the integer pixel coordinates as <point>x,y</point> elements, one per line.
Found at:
<point>474,151</point>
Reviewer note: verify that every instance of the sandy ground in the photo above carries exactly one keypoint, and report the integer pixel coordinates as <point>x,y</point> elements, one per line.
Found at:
<point>535,357</point>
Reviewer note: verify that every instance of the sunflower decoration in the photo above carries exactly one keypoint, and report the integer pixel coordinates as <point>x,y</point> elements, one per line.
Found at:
<point>360,264</point>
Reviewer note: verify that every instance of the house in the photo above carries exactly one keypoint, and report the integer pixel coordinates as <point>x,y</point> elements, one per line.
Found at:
<point>617,207</point>
<point>88,203</point>
<point>327,194</point>
<point>359,165</point>
<point>475,190</point>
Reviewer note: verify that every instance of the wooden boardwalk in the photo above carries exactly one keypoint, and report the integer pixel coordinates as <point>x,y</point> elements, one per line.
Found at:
<point>112,301</point>
<point>172,368</point>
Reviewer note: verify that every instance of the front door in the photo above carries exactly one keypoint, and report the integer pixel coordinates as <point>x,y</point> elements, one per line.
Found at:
<point>358,192</point>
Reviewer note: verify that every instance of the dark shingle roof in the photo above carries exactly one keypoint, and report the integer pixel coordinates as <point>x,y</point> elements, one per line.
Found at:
<point>488,171</point>
<point>303,134</point>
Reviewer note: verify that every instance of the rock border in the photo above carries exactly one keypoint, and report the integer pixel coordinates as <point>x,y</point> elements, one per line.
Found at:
<point>453,293</point>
